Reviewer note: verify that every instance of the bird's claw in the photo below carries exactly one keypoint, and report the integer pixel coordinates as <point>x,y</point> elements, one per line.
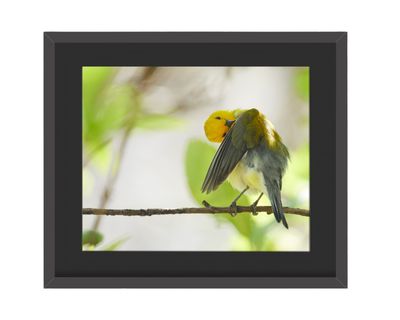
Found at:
<point>206,204</point>
<point>254,209</point>
<point>233,209</point>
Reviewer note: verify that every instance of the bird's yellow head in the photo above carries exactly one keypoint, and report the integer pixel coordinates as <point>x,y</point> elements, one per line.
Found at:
<point>218,124</point>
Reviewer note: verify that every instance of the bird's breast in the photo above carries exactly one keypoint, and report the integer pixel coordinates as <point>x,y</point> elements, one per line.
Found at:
<point>247,174</point>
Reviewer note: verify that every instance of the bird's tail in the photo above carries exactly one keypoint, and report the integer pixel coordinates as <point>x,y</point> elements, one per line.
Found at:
<point>274,194</point>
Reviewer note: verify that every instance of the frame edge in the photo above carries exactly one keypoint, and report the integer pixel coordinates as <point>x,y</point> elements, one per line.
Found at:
<point>53,281</point>
<point>341,160</point>
<point>194,282</point>
<point>194,37</point>
<point>49,160</point>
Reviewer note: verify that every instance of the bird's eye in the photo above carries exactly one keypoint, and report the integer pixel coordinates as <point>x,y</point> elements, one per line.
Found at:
<point>218,118</point>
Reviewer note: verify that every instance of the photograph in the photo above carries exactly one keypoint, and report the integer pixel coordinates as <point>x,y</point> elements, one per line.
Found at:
<point>196,158</point>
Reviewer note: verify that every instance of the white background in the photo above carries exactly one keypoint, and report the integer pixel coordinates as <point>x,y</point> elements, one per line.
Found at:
<point>374,217</point>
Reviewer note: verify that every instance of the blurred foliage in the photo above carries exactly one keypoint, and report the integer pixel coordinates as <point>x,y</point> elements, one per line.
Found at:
<point>302,83</point>
<point>253,231</point>
<point>109,108</point>
<point>91,238</point>
<point>105,107</point>
<point>114,245</point>
<point>158,122</point>
<point>296,179</point>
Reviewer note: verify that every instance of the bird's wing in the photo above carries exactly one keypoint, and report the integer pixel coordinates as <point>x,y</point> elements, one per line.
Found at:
<point>238,140</point>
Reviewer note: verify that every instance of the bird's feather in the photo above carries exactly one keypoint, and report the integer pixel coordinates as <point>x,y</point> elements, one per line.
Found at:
<point>274,195</point>
<point>243,135</point>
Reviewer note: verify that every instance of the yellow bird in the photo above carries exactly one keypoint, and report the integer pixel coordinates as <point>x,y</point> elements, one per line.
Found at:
<point>251,156</point>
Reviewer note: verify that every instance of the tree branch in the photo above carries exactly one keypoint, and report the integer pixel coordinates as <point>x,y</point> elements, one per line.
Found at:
<point>208,209</point>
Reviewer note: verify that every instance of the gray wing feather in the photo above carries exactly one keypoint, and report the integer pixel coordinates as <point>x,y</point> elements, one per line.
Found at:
<point>225,160</point>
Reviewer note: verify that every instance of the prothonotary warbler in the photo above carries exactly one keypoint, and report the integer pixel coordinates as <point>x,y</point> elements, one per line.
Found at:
<point>251,156</point>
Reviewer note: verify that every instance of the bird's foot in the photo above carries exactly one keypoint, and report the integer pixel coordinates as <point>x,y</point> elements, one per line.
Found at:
<point>207,205</point>
<point>254,205</point>
<point>254,209</point>
<point>233,209</point>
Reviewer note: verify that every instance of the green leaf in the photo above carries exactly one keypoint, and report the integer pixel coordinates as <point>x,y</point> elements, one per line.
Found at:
<point>158,122</point>
<point>199,155</point>
<point>259,235</point>
<point>107,108</point>
<point>94,79</point>
<point>115,244</point>
<point>94,82</point>
<point>121,105</point>
<point>91,238</point>
<point>302,83</point>
<point>198,158</point>
<point>297,177</point>
<point>300,162</point>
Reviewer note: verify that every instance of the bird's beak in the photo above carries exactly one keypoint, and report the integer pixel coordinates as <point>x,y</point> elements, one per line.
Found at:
<point>229,123</point>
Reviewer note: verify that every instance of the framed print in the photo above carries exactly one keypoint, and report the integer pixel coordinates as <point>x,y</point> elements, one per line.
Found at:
<point>195,159</point>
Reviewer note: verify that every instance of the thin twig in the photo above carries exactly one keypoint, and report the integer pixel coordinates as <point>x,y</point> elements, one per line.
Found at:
<point>206,210</point>
<point>114,169</point>
<point>113,175</point>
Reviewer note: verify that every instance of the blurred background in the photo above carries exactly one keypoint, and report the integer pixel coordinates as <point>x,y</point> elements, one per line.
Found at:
<point>144,147</point>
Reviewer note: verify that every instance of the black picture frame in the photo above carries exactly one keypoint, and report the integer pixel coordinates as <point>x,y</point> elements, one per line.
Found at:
<point>66,265</point>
